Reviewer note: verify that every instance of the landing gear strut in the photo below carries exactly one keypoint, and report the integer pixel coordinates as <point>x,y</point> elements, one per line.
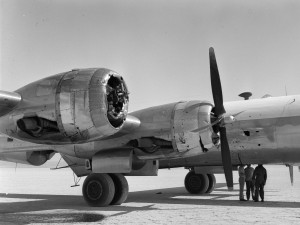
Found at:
<point>105,189</point>
<point>199,183</point>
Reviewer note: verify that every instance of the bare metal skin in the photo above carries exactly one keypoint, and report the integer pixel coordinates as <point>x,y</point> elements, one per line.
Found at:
<point>83,115</point>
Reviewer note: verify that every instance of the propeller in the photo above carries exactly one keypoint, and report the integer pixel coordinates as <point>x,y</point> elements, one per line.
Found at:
<point>218,111</point>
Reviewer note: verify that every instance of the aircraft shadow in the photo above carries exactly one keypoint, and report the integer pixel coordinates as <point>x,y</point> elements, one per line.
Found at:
<point>31,203</point>
<point>217,197</point>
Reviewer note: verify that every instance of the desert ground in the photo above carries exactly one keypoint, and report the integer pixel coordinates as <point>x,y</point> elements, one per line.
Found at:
<point>43,196</point>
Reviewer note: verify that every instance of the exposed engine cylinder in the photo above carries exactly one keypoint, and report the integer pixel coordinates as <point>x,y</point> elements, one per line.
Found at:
<point>72,107</point>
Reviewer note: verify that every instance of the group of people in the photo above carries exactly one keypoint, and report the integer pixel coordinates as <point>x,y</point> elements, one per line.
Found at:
<point>255,180</point>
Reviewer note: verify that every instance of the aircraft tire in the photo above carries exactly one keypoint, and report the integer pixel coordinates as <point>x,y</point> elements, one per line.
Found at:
<point>211,183</point>
<point>98,189</point>
<point>121,188</point>
<point>196,183</point>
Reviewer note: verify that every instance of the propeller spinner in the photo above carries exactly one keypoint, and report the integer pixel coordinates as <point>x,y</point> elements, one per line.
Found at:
<point>219,111</point>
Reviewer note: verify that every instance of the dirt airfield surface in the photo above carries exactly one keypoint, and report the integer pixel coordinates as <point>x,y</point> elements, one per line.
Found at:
<point>42,196</point>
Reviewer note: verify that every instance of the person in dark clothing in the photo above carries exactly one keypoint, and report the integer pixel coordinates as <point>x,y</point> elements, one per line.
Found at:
<point>241,181</point>
<point>260,178</point>
<point>249,183</point>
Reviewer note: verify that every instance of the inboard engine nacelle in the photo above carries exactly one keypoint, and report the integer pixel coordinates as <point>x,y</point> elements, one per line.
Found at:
<point>73,107</point>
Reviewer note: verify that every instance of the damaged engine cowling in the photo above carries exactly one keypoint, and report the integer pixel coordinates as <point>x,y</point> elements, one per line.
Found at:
<point>191,128</point>
<point>73,107</point>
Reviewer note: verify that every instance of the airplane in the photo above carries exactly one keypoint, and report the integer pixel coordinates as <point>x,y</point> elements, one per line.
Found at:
<point>83,115</point>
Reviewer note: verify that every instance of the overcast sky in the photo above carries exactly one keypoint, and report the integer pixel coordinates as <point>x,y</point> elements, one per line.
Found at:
<point>159,47</point>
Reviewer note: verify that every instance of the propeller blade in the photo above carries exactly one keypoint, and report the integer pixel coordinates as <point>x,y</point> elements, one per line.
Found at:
<point>226,158</point>
<point>216,84</point>
<point>219,111</point>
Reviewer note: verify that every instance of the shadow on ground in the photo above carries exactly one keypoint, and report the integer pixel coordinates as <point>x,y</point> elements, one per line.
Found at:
<point>65,208</point>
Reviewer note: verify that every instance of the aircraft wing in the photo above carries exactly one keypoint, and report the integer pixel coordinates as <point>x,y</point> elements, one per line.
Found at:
<point>84,113</point>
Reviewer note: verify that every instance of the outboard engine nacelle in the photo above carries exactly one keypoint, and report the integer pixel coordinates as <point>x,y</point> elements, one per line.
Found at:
<point>74,107</point>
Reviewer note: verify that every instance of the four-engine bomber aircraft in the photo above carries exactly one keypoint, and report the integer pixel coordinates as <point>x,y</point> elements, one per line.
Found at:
<point>83,115</point>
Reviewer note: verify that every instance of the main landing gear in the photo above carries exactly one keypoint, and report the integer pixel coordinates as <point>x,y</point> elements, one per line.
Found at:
<point>199,183</point>
<point>105,189</point>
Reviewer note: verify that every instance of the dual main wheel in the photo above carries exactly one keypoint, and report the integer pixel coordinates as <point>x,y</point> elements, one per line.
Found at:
<point>112,189</point>
<point>105,189</point>
<point>199,183</point>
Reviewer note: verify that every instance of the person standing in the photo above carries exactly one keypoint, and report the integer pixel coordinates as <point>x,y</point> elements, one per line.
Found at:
<point>242,182</point>
<point>260,177</point>
<point>249,183</point>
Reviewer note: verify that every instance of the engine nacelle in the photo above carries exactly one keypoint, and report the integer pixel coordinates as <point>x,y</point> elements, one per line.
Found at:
<point>182,128</point>
<point>73,107</point>
<point>191,128</point>
<point>34,158</point>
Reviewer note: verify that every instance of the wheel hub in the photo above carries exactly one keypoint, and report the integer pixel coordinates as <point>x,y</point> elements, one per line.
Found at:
<point>94,190</point>
<point>195,182</point>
